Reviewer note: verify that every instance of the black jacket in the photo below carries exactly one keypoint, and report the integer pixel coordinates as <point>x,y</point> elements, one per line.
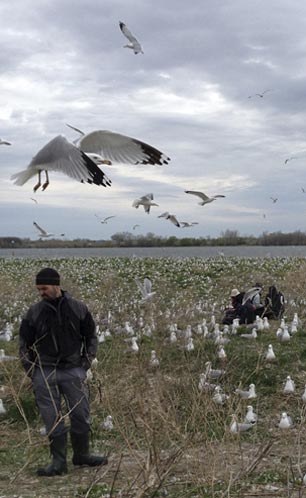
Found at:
<point>62,335</point>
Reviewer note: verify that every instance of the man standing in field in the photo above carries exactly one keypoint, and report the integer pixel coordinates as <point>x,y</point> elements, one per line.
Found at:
<point>57,345</point>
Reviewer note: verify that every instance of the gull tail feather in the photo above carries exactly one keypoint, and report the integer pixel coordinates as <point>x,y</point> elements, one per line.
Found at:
<point>23,176</point>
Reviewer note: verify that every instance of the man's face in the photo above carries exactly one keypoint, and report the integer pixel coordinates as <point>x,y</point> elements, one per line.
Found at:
<point>49,292</point>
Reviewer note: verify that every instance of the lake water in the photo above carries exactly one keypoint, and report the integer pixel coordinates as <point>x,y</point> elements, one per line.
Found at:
<point>159,252</point>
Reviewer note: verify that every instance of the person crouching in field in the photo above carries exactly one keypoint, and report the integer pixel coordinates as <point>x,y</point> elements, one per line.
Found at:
<point>57,345</point>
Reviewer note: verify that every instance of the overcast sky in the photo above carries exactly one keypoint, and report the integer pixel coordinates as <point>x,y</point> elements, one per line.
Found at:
<point>194,94</point>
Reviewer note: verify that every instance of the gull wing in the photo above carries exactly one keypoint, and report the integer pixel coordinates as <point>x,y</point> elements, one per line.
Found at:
<point>203,196</point>
<point>40,229</point>
<point>141,287</point>
<point>217,196</point>
<point>127,33</point>
<point>109,217</point>
<point>147,285</point>
<point>61,155</point>
<point>173,220</point>
<point>75,129</point>
<point>250,293</point>
<point>163,215</point>
<point>121,148</point>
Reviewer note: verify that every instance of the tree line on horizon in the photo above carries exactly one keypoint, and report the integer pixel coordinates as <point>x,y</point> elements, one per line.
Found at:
<point>127,239</point>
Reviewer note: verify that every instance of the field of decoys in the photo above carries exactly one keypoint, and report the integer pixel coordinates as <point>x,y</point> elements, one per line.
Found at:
<point>183,405</point>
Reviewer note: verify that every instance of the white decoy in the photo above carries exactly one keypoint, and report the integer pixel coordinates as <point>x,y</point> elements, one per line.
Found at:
<point>237,427</point>
<point>146,201</point>
<point>289,386</point>
<point>134,43</point>
<point>204,198</point>
<point>42,232</point>
<point>250,394</point>
<point>145,288</point>
<point>170,217</point>
<point>2,408</point>
<point>114,147</point>
<point>154,361</point>
<point>285,421</point>
<point>62,156</point>
<point>250,416</point>
<point>270,355</point>
<point>107,423</point>
<point>219,397</point>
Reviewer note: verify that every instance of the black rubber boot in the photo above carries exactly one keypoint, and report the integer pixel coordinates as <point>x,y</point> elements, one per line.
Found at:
<point>81,456</point>
<point>58,466</point>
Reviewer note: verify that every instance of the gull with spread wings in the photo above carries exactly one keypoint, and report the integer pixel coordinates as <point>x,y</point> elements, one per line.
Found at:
<point>42,232</point>
<point>204,198</point>
<point>134,43</point>
<point>62,156</point>
<point>104,220</point>
<point>110,147</point>
<point>145,201</point>
<point>170,217</point>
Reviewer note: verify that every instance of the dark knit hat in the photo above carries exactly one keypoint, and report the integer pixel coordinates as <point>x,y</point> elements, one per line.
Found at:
<point>47,276</point>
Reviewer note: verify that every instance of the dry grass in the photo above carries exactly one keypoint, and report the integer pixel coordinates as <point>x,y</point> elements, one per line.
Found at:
<point>169,439</point>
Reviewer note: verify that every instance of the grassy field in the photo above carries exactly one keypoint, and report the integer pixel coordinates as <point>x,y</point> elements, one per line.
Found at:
<point>169,437</point>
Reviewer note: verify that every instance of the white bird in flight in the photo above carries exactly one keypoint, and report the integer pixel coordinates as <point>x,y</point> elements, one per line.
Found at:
<point>145,201</point>
<point>185,224</point>
<point>134,43</point>
<point>114,147</point>
<point>135,226</point>
<point>259,94</point>
<point>42,232</point>
<point>204,198</point>
<point>145,288</point>
<point>170,217</point>
<point>104,220</point>
<point>61,155</point>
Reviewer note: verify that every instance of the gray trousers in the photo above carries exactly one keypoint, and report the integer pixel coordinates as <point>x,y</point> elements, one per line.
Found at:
<point>50,385</point>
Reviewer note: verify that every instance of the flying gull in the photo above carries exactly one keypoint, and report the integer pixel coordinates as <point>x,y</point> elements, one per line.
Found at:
<point>145,201</point>
<point>115,147</point>
<point>42,232</point>
<point>185,224</point>
<point>170,217</point>
<point>61,155</point>
<point>134,43</point>
<point>104,220</point>
<point>259,94</point>
<point>204,197</point>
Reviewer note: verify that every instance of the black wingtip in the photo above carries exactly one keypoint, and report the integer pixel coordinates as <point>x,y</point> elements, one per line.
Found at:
<point>96,175</point>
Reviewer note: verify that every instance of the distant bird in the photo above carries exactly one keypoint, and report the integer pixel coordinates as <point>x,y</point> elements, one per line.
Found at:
<point>185,224</point>
<point>250,416</point>
<point>145,201</point>
<point>304,395</point>
<point>303,190</point>
<point>270,355</point>
<point>104,220</point>
<point>170,217</point>
<point>61,155</point>
<point>274,199</point>
<point>250,394</point>
<point>289,386</point>
<point>4,142</point>
<point>107,423</point>
<point>34,200</point>
<point>259,94</point>
<point>145,288</point>
<point>237,427</point>
<point>154,361</point>
<point>114,147</point>
<point>285,421</point>
<point>2,408</point>
<point>42,232</point>
<point>219,397</point>
<point>213,373</point>
<point>135,226</point>
<point>134,43</point>
<point>204,197</point>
